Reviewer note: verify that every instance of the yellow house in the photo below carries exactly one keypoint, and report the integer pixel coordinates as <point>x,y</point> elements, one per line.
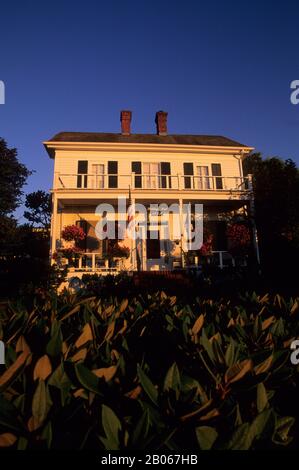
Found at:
<point>93,168</point>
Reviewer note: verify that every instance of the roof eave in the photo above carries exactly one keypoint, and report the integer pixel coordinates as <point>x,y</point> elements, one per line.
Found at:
<point>51,146</point>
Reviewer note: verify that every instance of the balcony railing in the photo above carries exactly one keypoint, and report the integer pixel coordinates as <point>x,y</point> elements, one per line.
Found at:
<point>151,182</point>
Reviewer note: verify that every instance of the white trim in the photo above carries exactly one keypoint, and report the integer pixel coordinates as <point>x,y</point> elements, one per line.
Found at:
<point>137,147</point>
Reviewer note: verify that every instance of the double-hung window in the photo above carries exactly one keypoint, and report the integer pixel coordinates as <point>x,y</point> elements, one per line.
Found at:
<point>152,172</point>
<point>98,171</point>
<point>202,177</point>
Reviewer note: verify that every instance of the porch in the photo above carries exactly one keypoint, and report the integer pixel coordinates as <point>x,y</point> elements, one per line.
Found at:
<point>93,263</point>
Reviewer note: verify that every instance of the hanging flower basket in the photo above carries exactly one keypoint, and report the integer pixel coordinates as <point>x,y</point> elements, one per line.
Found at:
<point>73,233</point>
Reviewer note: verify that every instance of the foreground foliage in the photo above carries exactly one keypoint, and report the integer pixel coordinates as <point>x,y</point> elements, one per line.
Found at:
<point>148,373</point>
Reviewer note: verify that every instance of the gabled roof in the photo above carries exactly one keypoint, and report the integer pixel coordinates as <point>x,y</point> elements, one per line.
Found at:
<point>175,139</point>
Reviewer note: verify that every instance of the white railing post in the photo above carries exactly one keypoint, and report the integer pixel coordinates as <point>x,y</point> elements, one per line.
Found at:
<point>54,224</point>
<point>249,178</point>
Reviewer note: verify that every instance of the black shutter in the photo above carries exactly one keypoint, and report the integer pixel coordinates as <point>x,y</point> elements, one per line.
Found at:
<point>165,170</point>
<point>82,243</point>
<point>136,168</point>
<point>82,174</point>
<point>216,171</point>
<point>112,174</point>
<point>188,170</point>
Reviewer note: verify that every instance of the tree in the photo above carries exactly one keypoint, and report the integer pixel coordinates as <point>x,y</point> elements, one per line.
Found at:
<point>13,176</point>
<point>276,193</point>
<point>39,205</point>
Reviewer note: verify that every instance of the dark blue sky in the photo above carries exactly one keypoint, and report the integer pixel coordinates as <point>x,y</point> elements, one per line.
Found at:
<point>217,67</point>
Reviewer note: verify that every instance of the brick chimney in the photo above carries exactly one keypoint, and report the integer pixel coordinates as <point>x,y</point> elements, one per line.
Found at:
<point>161,122</point>
<point>125,119</point>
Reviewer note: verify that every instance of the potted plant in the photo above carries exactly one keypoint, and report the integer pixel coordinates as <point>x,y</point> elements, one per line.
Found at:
<point>67,256</point>
<point>115,251</point>
<point>71,236</point>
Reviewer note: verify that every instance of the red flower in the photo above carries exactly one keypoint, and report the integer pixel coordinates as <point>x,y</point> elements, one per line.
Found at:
<point>239,238</point>
<point>73,233</point>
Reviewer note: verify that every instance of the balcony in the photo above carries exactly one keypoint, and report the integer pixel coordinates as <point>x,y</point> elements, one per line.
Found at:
<point>141,182</point>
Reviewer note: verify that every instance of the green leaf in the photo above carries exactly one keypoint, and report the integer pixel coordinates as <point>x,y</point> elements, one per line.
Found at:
<point>282,429</point>
<point>14,371</point>
<point>172,380</point>
<point>277,329</point>
<point>19,402</point>
<point>41,402</point>
<point>22,443</point>
<point>147,385</point>
<point>206,437</point>
<point>59,379</point>
<point>140,433</point>
<point>257,328</point>
<point>87,379</point>
<point>9,416</point>
<point>263,425</point>
<point>262,398</point>
<point>111,426</point>
<point>54,346</point>
<point>238,370</point>
<point>218,353</point>
<point>241,438</point>
<point>47,434</point>
<point>207,345</point>
<point>230,353</point>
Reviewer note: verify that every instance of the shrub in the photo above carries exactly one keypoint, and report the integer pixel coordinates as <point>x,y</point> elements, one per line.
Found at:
<point>149,373</point>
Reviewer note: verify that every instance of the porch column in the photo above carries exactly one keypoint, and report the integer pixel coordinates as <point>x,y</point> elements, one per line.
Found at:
<point>181,230</point>
<point>133,255</point>
<point>252,218</point>
<point>54,225</point>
